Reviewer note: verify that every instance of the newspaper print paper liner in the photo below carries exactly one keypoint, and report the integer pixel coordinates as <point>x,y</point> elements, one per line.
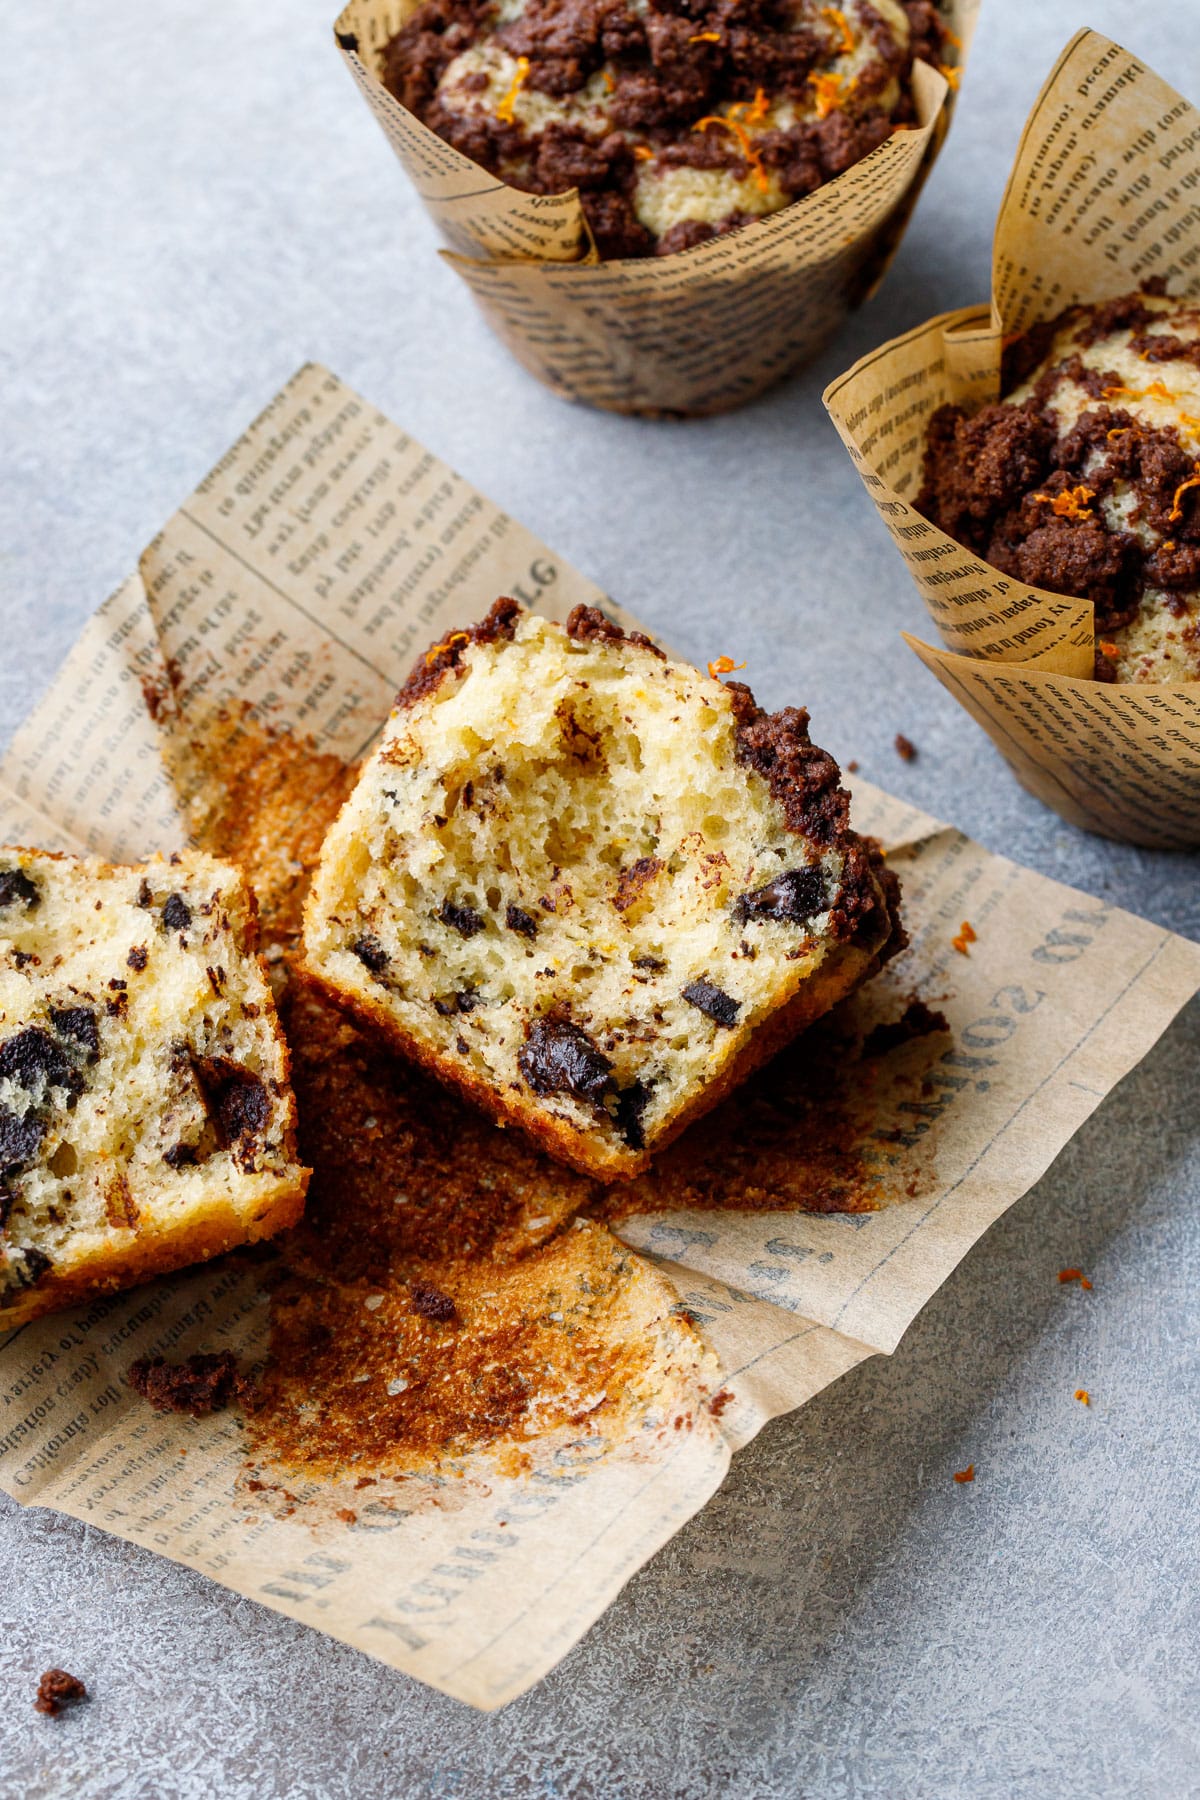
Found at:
<point>1101,197</point>
<point>303,576</point>
<point>698,332</point>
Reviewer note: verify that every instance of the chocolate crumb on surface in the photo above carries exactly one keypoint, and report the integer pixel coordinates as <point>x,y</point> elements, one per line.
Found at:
<point>204,1383</point>
<point>906,750</point>
<point>431,1303</point>
<point>56,1690</point>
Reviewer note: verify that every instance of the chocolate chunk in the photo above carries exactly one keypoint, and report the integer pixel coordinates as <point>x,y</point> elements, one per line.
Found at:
<point>79,1025</point>
<point>631,1104</point>
<point>20,1139</point>
<point>559,1058</point>
<point>33,1055</point>
<point>431,1303</point>
<point>204,1383</point>
<point>791,898</point>
<point>138,958</point>
<point>720,1007</point>
<point>237,1099</point>
<point>24,1271</point>
<point>654,964</point>
<point>16,889</point>
<point>176,913</point>
<point>145,895</point>
<point>371,953</point>
<point>517,919</point>
<point>181,1156</point>
<point>57,1689</point>
<point>463,919</point>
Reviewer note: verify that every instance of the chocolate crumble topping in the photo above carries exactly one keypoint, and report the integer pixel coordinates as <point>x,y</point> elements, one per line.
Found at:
<point>57,1690</point>
<point>202,1384</point>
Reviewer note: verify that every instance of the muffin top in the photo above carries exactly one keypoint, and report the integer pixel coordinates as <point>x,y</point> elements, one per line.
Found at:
<point>1085,478</point>
<point>677,120</point>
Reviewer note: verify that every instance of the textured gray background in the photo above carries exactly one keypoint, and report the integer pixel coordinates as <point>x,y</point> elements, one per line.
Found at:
<point>195,200</point>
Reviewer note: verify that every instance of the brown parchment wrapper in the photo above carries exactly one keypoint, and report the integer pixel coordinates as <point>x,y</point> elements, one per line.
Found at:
<point>698,332</point>
<point>302,577</point>
<point>1104,193</point>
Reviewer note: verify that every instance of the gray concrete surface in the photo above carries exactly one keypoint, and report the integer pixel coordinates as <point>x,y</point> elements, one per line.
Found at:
<point>195,200</point>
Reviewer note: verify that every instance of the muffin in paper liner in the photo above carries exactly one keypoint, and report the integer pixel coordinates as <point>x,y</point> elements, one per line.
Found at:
<point>699,331</point>
<point>1097,205</point>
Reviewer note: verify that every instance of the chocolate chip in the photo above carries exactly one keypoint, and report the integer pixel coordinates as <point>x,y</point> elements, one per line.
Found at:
<point>20,1139</point>
<point>145,895</point>
<point>180,1156</point>
<point>32,1056</point>
<point>558,1058</point>
<point>517,919</point>
<point>654,964</point>
<point>237,1099</point>
<point>16,889</point>
<point>138,958</point>
<point>431,1303</point>
<point>791,898</point>
<point>463,1002</point>
<point>371,954</point>
<point>79,1025</point>
<point>720,1007</point>
<point>631,1104</point>
<point>463,919</point>
<point>176,913</point>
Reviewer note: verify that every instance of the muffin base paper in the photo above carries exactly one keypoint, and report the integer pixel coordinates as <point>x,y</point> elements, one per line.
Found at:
<point>1103,195</point>
<point>325,550</point>
<point>698,332</point>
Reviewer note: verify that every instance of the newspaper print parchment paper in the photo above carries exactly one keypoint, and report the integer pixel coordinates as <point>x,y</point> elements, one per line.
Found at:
<point>1104,193</point>
<point>302,576</point>
<point>698,332</point>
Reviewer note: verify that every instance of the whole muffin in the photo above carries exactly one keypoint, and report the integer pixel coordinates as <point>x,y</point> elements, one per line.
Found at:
<point>1085,478</point>
<point>677,120</point>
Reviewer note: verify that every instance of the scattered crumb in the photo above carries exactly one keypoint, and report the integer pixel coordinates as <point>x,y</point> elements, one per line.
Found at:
<point>906,750</point>
<point>348,1514</point>
<point>1082,1395</point>
<point>431,1303</point>
<point>57,1689</point>
<point>852,766</point>
<point>966,935</point>
<point>967,1474</point>
<point>719,1402</point>
<point>202,1384</point>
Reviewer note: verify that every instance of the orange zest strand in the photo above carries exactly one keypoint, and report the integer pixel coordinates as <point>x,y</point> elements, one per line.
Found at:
<point>1078,1275</point>
<point>504,112</point>
<point>952,37</point>
<point>967,1474</point>
<point>1118,393</point>
<point>1158,390</point>
<point>609,83</point>
<point>1193,481</point>
<point>1110,650</point>
<point>743,137</point>
<point>705,37</point>
<point>967,935</point>
<point>837,18</point>
<point>456,637</point>
<point>643,152</point>
<point>1082,1394</point>
<point>759,108</point>
<point>827,93</point>
<point>723,665</point>
<point>1073,504</point>
<point>950,75</point>
<point>1118,431</point>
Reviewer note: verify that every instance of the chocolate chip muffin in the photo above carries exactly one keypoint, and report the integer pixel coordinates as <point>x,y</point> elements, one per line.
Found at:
<point>145,1116</point>
<point>590,886</point>
<point>1085,478</point>
<point>677,120</point>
